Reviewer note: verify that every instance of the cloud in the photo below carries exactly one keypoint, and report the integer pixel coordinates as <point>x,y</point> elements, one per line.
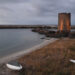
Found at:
<point>12,1</point>
<point>34,11</point>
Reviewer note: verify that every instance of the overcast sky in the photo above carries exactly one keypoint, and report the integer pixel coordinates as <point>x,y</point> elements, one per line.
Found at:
<point>34,11</point>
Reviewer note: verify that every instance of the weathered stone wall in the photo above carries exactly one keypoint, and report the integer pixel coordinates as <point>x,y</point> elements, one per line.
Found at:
<point>64,22</point>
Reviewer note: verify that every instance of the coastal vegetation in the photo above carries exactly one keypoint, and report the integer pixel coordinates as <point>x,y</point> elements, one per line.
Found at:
<point>52,59</point>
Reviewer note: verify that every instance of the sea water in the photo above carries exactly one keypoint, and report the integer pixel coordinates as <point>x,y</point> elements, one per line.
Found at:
<point>15,40</point>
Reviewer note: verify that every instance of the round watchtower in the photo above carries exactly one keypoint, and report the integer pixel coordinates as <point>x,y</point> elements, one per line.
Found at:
<point>64,22</point>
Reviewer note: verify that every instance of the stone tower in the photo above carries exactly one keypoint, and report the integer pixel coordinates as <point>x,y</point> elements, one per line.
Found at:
<point>64,22</point>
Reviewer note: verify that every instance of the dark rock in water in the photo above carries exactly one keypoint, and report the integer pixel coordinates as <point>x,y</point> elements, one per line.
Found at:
<point>54,34</point>
<point>42,38</point>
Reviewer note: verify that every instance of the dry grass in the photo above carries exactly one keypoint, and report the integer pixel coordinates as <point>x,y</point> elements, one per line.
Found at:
<point>52,59</point>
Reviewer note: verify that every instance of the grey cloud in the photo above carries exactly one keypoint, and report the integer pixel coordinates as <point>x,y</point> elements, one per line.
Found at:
<point>5,8</point>
<point>12,1</point>
<point>35,11</point>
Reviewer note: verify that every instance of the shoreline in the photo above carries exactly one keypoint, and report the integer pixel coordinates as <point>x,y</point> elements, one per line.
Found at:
<point>24,52</point>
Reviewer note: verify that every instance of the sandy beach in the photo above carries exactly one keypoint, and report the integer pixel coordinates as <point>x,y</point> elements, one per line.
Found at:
<point>24,52</point>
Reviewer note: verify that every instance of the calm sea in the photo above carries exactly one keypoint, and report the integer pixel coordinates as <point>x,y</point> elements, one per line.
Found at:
<point>14,40</point>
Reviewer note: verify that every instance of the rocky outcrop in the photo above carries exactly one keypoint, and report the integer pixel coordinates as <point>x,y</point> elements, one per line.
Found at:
<point>55,34</point>
<point>72,35</point>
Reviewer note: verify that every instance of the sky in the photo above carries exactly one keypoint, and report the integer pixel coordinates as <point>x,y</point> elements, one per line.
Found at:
<point>35,11</point>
